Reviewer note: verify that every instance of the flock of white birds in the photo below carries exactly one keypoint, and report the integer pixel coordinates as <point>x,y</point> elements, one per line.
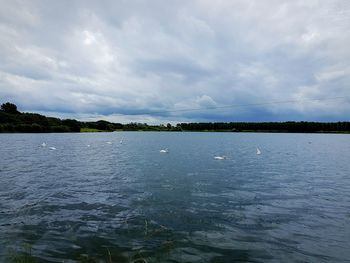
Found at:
<point>165,150</point>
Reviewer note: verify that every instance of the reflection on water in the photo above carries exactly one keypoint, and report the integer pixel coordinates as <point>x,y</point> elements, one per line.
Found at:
<point>94,200</point>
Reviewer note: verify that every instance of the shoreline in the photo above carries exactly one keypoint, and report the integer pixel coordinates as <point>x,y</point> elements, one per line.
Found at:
<point>186,131</point>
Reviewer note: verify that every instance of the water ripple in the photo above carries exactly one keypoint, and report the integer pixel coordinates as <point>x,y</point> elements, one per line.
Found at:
<point>290,204</point>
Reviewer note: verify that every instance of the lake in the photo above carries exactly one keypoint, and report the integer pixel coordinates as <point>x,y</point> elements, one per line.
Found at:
<point>94,199</point>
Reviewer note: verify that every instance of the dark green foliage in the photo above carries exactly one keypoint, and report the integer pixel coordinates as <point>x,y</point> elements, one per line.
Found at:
<point>6,117</point>
<point>103,125</point>
<point>74,125</point>
<point>133,126</point>
<point>60,128</point>
<point>54,121</point>
<point>9,108</point>
<point>290,126</point>
<point>13,121</point>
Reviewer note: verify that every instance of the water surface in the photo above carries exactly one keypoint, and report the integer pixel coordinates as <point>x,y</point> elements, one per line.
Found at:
<point>289,204</point>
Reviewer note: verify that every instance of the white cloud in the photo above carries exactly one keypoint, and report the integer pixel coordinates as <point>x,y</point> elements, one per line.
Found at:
<point>333,73</point>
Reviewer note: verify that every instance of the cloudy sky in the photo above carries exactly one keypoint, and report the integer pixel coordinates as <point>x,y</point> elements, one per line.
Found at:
<point>148,61</point>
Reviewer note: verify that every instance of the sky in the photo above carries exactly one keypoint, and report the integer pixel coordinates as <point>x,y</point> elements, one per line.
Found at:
<point>150,61</point>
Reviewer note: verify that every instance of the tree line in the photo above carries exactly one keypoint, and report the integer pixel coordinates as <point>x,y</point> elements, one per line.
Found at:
<point>11,120</point>
<point>289,126</point>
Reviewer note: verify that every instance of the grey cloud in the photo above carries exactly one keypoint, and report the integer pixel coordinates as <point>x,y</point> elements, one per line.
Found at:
<point>94,59</point>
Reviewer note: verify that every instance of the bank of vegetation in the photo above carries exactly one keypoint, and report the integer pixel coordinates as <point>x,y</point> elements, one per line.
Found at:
<point>13,121</point>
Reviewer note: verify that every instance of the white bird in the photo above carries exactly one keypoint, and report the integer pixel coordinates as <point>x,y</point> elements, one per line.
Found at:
<point>219,157</point>
<point>164,150</point>
<point>43,144</point>
<point>88,145</point>
<point>121,141</point>
<point>258,152</point>
<point>109,142</point>
<point>52,148</point>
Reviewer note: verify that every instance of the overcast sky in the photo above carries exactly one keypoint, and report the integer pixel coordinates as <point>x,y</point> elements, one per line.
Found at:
<point>115,59</point>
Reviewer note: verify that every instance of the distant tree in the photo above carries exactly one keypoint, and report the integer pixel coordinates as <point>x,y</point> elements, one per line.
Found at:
<point>102,125</point>
<point>60,128</point>
<point>36,128</point>
<point>73,125</point>
<point>9,108</point>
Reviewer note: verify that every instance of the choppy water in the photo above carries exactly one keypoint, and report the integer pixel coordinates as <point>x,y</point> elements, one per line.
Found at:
<point>289,204</point>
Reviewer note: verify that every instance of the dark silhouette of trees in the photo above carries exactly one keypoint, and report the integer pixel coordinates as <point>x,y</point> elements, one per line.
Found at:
<point>9,108</point>
<point>11,120</point>
<point>103,125</point>
<point>289,126</point>
<point>74,125</point>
